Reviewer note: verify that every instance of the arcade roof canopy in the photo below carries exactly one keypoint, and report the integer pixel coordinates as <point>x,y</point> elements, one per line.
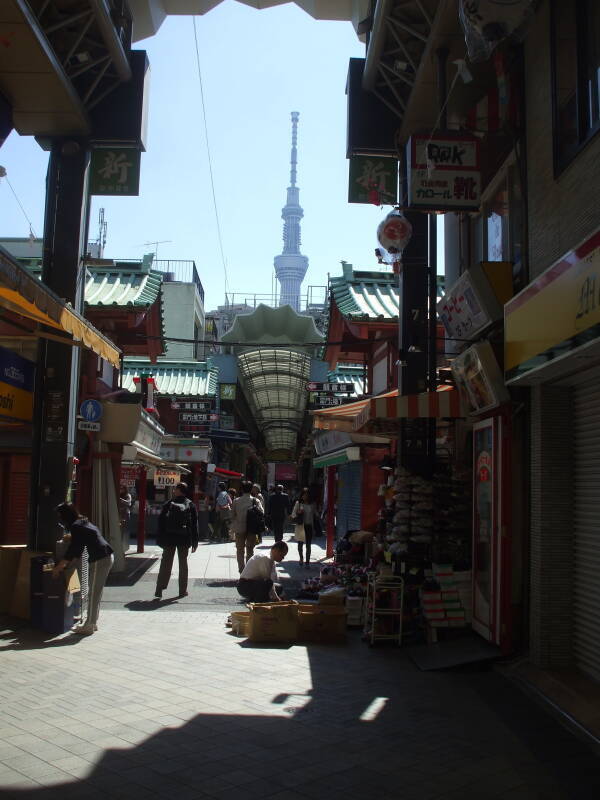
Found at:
<point>274,347</point>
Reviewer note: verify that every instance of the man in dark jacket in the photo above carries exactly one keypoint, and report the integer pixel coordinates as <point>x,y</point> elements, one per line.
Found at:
<point>177,531</point>
<point>279,510</point>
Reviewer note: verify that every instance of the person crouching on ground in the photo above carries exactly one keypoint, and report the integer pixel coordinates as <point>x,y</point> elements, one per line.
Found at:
<point>244,539</point>
<point>258,579</point>
<point>177,531</point>
<point>100,557</point>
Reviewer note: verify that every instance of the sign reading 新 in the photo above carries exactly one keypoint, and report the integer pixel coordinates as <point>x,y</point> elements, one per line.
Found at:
<point>16,386</point>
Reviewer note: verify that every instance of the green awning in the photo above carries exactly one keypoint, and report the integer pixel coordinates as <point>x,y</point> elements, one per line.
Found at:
<point>338,457</point>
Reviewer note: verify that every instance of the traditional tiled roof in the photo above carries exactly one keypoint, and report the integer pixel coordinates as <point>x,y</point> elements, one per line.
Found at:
<point>349,373</point>
<point>174,378</point>
<point>110,287</point>
<point>366,295</point>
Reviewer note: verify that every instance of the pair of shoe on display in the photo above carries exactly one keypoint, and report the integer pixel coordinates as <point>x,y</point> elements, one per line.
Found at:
<point>84,630</point>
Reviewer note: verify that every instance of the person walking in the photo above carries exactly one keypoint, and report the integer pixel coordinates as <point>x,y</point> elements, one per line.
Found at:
<point>303,515</point>
<point>244,539</point>
<point>258,579</point>
<point>257,493</point>
<point>279,511</point>
<point>177,531</point>
<point>223,503</point>
<point>84,536</point>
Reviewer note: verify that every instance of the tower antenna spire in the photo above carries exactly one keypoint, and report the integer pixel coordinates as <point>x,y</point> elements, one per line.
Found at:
<point>291,265</point>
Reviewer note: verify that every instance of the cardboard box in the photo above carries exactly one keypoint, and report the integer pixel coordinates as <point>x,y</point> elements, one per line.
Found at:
<point>322,624</point>
<point>240,622</point>
<point>20,605</point>
<point>332,598</point>
<point>10,556</point>
<point>273,622</point>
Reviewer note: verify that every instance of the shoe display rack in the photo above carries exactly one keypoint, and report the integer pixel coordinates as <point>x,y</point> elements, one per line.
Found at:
<point>384,609</point>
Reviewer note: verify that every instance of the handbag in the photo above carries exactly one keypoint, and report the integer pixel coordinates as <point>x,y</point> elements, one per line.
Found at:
<point>298,517</point>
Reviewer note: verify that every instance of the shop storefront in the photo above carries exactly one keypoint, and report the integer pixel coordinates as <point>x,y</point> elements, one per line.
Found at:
<point>552,345</point>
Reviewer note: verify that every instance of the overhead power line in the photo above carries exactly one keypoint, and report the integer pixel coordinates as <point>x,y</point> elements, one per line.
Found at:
<point>210,169</point>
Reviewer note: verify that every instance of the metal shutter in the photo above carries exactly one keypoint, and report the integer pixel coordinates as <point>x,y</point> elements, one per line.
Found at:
<point>586,596</point>
<point>350,499</point>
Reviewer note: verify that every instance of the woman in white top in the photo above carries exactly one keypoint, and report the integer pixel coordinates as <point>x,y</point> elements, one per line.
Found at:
<point>303,532</point>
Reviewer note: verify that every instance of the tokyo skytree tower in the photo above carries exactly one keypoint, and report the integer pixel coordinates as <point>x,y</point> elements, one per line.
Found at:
<point>291,265</point>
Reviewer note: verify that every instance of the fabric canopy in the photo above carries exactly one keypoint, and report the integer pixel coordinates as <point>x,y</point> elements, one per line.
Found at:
<point>341,418</point>
<point>379,411</point>
<point>229,473</point>
<point>24,295</point>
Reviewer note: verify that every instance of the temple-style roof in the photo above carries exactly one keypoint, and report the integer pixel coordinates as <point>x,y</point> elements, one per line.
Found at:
<point>349,373</point>
<point>174,378</point>
<point>110,287</point>
<point>366,295</point>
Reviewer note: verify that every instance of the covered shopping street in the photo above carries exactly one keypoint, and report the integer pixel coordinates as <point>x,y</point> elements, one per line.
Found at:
<point>275,348</point>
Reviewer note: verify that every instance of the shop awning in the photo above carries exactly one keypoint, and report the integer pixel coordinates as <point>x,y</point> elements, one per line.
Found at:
<point>24,295</point>
<point>341,418</point>
<point>380,412</point>
<point>228,473</point>
<point>343,456</point>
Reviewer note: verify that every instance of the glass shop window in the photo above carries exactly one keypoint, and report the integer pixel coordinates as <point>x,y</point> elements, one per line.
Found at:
<point>576,76</point>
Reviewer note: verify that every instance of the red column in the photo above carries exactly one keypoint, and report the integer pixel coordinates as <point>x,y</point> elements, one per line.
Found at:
<point>141,531</point>
<point>330,510</point>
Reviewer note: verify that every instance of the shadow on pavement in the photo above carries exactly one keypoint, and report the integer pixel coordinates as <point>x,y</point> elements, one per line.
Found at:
<point>368,729</point>
<point>15,636</point>
<point>135,568</point>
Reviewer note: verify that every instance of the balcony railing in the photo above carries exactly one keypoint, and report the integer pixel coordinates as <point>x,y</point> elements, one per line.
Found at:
<point>180,272</point>
<point>313,299</point>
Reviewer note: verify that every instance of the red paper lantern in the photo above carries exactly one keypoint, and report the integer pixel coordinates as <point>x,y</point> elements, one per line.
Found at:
<point>394,232</point>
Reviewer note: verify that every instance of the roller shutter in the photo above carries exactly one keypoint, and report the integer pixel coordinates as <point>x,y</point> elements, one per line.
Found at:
<point>586,595</point>
<point>349,497</point>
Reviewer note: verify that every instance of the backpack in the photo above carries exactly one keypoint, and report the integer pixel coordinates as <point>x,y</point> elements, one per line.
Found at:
<point>255,520</point>
<point>178,517</point>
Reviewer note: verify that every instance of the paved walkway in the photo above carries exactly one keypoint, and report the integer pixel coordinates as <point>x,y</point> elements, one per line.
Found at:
<point>173,706</point>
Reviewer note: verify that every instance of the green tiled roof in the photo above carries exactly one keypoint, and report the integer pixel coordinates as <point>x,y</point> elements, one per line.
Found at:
<point>349,373</point>
<point>109,287</point>
<point>174,378</point>
<point>366,295</point>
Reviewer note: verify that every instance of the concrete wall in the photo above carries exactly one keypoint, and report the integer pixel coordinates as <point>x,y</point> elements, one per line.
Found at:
<point>565,209</point>
<point>182,308</point>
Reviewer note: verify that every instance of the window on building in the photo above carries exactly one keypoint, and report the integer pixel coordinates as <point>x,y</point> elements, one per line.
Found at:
<point>576,76</point>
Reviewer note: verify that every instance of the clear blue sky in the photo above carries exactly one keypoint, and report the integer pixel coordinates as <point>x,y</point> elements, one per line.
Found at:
<point>257,67</point>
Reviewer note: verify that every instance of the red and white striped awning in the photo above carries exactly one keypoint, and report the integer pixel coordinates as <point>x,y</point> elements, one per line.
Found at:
<point>445,403</point>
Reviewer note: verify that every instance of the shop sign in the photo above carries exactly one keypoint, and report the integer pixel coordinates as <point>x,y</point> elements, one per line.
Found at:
<point>228,391</point>
<point>82,425</point>
<point>149,437</point>
<point>193,417</point>
<point>164,478</point>
<point>478,377</point>
<point>227,422</point>
<point>373,179</point>
<point>462,310</point>
<point>185,404</point>
<point>128,476</point>
<point>324,400</point>
<point>327,441</point>
<point>115,171</point>
<point>556,314</point>
<point>192,455</point>
<point>56,411</point>
<point>444,172</point>
<point>285,472</point>
<point>16,386</point>
<point>345,388</point>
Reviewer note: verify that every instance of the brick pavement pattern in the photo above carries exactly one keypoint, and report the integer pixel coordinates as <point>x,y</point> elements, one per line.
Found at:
<point>172,705</point>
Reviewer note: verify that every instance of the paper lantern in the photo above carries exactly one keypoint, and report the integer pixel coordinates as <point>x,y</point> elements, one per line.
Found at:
<point>394,232</point>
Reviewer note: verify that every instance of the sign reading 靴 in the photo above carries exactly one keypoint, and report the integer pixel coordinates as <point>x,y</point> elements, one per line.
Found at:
<point>444,172</point>
<point>115,171</point>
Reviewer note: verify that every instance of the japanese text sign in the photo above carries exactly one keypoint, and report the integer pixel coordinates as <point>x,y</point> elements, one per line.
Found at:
<point>443,173</point>
<point>373,179</point>
<point>115,171</point>
<point>461,310</point>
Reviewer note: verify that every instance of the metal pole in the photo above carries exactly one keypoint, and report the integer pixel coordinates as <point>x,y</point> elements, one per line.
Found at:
<point>141,531</point>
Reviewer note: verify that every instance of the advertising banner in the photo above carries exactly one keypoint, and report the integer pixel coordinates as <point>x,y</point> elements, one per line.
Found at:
<point>444,172</point>
<point>16,387</point>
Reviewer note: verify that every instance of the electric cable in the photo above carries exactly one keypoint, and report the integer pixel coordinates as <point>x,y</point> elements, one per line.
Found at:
<point>210,168</point>
<point>31,231</point>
